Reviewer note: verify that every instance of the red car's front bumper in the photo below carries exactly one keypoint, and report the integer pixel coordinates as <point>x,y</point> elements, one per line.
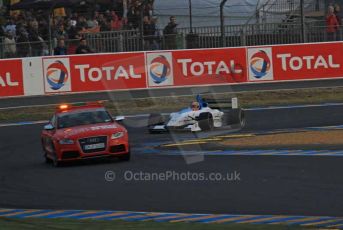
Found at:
<point>76,152</point>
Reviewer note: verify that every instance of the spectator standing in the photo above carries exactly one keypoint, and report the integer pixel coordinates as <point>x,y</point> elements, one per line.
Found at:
<point>337,11</point>
<point>170,33</point>
<point>10,48</point>
<point>23,45</point>
<point>61,32</point>
<point>157,36</point>
<point>83,48</point>
<point>331,24</point>
<point>61,48</point>
<point>116,23</point>
<point>105,25</point>
<point>10,26</point>
<point>35,39</point>
<point>43,28</point>
<point>134,14</point>
<point>149,30</point>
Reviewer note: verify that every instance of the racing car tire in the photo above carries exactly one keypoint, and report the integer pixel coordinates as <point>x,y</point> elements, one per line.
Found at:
<point>236,116</point>
<point>55,162</point>
<point>47,159</point>
<point>205,121</point>
<point>125,157</point>
<point>155,119</point>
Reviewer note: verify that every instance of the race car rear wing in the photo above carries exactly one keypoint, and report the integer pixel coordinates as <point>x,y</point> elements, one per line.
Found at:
<point>222,103</point>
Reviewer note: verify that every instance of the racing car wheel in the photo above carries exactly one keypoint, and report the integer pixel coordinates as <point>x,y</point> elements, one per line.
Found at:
<point>236,116</point>
<point>155,119</point>
<point>205,121</point>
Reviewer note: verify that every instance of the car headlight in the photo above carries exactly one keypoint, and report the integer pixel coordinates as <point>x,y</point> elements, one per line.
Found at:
<point>117,135</point>
<point>66,142</point>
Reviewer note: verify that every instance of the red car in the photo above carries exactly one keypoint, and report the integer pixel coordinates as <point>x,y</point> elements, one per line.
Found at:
<point>84,131</point>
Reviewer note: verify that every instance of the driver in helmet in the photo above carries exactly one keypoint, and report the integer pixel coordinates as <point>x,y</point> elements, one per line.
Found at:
<point>195,106</point>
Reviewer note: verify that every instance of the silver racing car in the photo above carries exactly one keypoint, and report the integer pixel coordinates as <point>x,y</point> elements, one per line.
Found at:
<point>202,115</point>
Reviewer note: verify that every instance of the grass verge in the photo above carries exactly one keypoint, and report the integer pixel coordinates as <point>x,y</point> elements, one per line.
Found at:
<point>169,104</point>
<point>62,224</point>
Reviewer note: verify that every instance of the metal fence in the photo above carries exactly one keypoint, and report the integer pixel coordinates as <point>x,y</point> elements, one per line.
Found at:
<point>202,37</point>
<point>286,11</point>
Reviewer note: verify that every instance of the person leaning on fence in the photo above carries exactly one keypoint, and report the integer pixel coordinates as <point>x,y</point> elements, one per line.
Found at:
<point>332,24</point>
<point>23,43</point>
<point>337,11</point>
<point>170,33</point>
<point>149,30</point>
<point>10,47</point>
<point>83,48</point>
<point>36,41</point>
<point>60,48</point>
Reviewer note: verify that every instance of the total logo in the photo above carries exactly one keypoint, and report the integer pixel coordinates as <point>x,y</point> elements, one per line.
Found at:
<point>260,64</point>
<point>160,69</point>
<point>57,75</point>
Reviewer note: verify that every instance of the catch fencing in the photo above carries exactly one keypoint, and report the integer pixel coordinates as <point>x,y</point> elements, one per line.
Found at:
<point>200,37</point>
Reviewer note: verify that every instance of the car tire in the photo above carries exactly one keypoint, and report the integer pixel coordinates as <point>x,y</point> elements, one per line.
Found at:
<point>236,116</point>
<point>155,119</point>
<point>205,121</point>
<point>125,157</point>
<point>47,159</point>
<point>55,162</point>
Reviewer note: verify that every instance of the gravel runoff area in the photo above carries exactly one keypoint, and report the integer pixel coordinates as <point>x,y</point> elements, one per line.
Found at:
<point>313,139</point>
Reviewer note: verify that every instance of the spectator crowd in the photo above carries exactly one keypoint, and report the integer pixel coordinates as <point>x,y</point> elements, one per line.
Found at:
<point>26,32</point>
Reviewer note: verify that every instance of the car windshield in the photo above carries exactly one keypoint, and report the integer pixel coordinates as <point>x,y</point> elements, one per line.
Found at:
<point>68,120</point>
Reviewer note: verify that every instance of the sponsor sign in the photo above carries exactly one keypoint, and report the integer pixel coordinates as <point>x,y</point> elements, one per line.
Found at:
<point>56,73</point>
<point>209,66</point>
<point>11,78</point>
<point>108,72</point>
<point>308,61</point>
<point>260,64</point>
<point>160,69</point>
<point>140,70</point>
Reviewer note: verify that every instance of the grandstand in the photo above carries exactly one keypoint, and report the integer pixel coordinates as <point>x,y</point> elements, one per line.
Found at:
<point>31,28</point>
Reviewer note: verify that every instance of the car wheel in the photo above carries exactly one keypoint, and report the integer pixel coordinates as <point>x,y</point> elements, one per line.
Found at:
<point>205,121</point>
<point>155,119</point>
<point>55,161</point>
<point>126,157</point>
<point>236,116</point>
<point>242,119</point>
<point>47,159</point>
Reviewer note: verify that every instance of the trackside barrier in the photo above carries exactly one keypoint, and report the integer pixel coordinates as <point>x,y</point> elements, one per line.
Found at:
<point>143,70</point>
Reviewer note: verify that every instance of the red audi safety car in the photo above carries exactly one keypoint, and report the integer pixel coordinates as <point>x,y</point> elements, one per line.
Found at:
<point>84,131</point>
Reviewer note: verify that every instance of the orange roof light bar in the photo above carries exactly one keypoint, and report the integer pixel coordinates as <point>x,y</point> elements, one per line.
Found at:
<point>63,107</point>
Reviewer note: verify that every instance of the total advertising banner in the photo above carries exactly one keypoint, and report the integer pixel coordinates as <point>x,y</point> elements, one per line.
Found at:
<point>94,72</point>
<point>308,61</point>
<point>140,70</point>
<point>11,78</point>
<point>295,62</point>
<point>196,67</point>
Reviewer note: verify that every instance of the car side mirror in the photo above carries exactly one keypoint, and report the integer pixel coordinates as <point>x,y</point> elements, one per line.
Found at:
<point>119,118</point>
<point>48,127</point>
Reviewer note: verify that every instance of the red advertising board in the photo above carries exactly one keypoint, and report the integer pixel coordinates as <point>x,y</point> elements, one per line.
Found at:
<point>196,67</point>
<point>295,62</point>
<point>11,78</point>
<point>139,70</point>
<point>308,61</point>
<point>107,72</point>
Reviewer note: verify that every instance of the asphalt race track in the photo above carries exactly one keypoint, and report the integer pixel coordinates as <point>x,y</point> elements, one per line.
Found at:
<point>144,93</point>
<point>288,185</point>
